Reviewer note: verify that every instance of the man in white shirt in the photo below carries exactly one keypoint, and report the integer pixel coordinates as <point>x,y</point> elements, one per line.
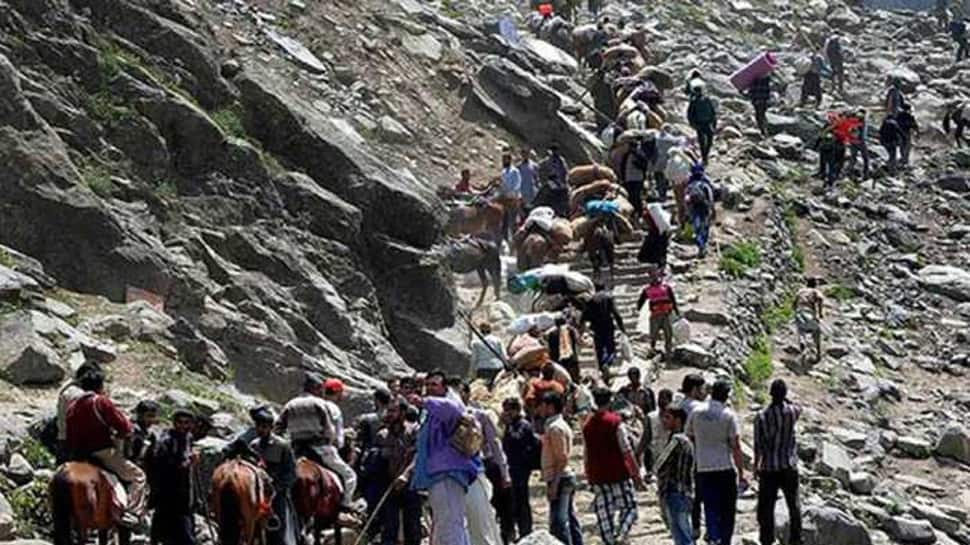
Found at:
<point>715,430</point>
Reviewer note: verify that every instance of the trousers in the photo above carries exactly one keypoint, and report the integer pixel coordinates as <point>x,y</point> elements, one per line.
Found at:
<point>333,461</point>
<point>719,494</point>
<point>482,526</point>
<point>677,513</point>
<point>563,522</point>
<point>771,482</point>
<point>114,461</point>
<point>447,500</point>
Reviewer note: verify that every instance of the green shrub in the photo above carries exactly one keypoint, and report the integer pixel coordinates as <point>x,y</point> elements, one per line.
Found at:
<point>780,314</point>
<point>840,292</point>
<point>230,121</point>
<point>36,453</point>
<point>31,514</point>
<point>737,258</point>
<point>759,366</point>
<point>97,177</point>
<point>6,259</point>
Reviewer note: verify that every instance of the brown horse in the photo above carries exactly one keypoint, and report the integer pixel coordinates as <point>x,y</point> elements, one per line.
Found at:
<point>240,501</point>
<point>535,251</point>
<point>476,219</point>
<point>82,500</point>
<point>600,247</point>
<point>316,497</point>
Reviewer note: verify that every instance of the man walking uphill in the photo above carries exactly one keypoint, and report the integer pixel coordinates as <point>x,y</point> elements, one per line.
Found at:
<point>702,116</point>
<point>760,96</point>
<point>715,430</point>
<point>557,445</point>
<point>612,470</point>
<point>776,464</point>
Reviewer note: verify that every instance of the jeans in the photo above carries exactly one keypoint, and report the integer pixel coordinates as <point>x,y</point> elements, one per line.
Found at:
<point>677,511</point>
<point>605,343</point>
<point>635,191</point>
<point>771,482</point>
<point>705,139</point>
<point>861,148</point>
<point>521,509</point>
<point>761,116</point>
<point>404,505</point>
<point>563,523</point>
<point>447,500</point>
<point>702,227</point>
<point>718,491</point>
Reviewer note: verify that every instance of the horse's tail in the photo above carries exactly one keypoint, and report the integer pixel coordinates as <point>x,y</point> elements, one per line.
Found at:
<point>61,505</point>
<point>229,516</point>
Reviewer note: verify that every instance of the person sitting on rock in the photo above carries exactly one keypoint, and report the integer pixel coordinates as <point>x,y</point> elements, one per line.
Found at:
<point>94,424</point>
<point>809,303</point>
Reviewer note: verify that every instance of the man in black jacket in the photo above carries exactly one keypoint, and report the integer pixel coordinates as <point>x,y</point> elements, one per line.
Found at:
<point>172,484</point>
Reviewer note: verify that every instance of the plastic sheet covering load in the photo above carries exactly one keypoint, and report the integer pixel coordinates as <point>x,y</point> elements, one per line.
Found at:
<point>541,320</point>
<point>760,66</point>
<point>585,174</point>
<point>660,216</point>
<point>540,217</point>
<point>601,208</point>
<point>678,165</point>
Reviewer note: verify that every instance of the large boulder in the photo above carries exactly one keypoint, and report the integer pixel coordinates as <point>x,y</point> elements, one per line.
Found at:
<point>6,519</point>
<point>947,280</point>
<point>835,462</point>
<point>824,525</point>
<point>910,531</point>
<point>954,443</point>
<point>530,109</point>
<point>26,357</point>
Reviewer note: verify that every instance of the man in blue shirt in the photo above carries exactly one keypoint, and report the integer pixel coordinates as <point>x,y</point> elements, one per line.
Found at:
<point>510,195</point>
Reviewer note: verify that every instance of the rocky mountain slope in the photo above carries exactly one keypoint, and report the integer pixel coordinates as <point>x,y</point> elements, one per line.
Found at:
<point>211,197</point>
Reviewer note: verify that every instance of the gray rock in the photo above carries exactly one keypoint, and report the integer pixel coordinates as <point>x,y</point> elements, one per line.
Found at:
<point>13,284</point>
<point>539,537</point>
<point>391,130</point>
<point>297,51</point>
<point>835,462</point>
<point>940,520</point>
<point>692,355</point>
<point>25,357</point>
<point>915,447</point>
<point>957,183</point>
<point>707,316</point>
<point>424,45</point>
<point>947,280</point>
<point>916,532</point>
<point>862,483</point>
<point>6,519</point>
<point>823,525</point>
<point>558,60</point>
<point>954,443</point>
<point>19,470</point>
<point>178,398</point>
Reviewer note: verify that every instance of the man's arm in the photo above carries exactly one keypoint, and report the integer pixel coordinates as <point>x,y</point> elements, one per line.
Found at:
<point>498,453</point>
<point>641,300</point>
<point>629,458</point>
<point>759,442</point>
<point>114,418</point>
<point>736,447</point>
<point>673,299</point>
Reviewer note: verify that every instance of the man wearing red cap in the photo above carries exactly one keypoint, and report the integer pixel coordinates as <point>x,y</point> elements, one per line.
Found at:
<point>333,392</point>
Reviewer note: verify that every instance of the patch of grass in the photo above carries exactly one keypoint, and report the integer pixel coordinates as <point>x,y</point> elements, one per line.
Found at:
<point>31,514</point>
<point>780,314</point>
<point>97,177</point>
<point>840,292</point>
<point>686,233</point>
<point>166,189</point>
<point>36,453</point>
<point>7,307</point>
<point>197,385</point>
<point>6,259</point>
<point>737,258</point>
<point>798,257</point>
<point>759,366</point>
<point>230,121</point>
<point>106,108</point>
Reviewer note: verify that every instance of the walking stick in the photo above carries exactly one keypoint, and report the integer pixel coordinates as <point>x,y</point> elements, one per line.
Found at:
<point>377,508</point>
<point>205,504</point>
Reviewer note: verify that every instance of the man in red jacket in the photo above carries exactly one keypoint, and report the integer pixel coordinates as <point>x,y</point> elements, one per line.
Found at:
<point>94,423</point>
<point>612,470</point>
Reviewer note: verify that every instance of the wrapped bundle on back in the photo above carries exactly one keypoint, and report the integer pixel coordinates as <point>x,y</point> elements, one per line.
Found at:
<point>585,174</point>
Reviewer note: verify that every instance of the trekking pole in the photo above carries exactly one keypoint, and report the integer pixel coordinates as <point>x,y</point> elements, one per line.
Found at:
<point>205,504</point>
<point>377,508</point>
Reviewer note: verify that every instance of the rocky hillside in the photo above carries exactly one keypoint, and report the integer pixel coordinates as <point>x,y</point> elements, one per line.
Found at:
<point>212,196</point>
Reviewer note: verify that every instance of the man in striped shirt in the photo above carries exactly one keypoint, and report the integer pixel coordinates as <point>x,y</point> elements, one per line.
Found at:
<point>776,463</point>
<point>675,474</point>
